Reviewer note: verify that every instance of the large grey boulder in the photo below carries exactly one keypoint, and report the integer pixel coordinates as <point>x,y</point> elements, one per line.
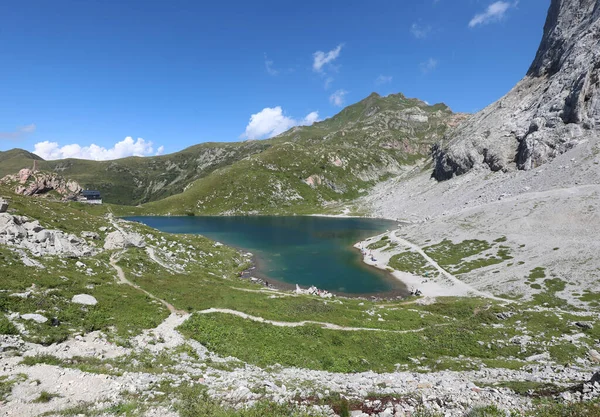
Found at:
<point>553,109</point>
<point>121,240</point>
<point>3,205</point>
<point>84,299</point>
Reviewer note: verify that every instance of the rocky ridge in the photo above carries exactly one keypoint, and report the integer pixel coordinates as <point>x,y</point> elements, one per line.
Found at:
<point>30,183</point>
<point>555,107</point>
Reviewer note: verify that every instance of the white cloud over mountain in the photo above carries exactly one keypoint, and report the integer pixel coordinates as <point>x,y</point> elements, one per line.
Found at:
<point>271,121</point>
<point>126,147</point>
<point>338,98</point>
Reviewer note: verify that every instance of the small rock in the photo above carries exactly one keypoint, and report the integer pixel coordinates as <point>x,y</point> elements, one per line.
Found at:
<point>584,324</point>
<point>38,318</point>
<point>90,235</point>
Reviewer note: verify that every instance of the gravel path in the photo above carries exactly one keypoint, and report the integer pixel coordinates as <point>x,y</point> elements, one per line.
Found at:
<point>329,326</point>
<point>123,280</point>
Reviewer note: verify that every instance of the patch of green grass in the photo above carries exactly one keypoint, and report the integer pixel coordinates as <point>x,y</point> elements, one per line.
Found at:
<point>537,273</point>
<point>313,347</point>
<point>590,296</point>
<point>411,262</point>
<point>128,408</point>
<point>485,411</point>
<point>6,327</point>
<point>45,397</point>
<point>384,241</point>
<point>391,246</point>
<point>453,255</point>
<point>530,388</point>
<point>554,409</point>
<point>536,286</point>
<point>447,253</point>
<point>554,284</point>
<point>143,361</point>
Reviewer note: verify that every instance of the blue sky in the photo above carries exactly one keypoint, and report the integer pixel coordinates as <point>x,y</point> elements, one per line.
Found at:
<point>177,73</point>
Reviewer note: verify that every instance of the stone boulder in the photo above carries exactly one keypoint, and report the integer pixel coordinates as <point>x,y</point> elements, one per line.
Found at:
<point>121,240</point>
<point>84,299</point>
<point>38,318</point>
<point>3,205</point>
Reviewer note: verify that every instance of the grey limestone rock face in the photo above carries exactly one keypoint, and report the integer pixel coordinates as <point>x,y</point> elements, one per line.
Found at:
<point>552,109</point>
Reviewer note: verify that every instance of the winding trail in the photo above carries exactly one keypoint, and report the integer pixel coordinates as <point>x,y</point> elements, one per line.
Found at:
<point>152,254</point>
<point>329,326</point>
<point>115,257</point>
<point>457,282</point>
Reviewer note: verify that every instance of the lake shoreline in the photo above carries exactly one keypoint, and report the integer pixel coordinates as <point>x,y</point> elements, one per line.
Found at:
<point>286,251</point>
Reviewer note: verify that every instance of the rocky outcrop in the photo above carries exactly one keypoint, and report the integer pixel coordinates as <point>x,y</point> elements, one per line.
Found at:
<point>24,233</point>
<point>554,108</point>
<point>121,240</point>
<point>37,183</point>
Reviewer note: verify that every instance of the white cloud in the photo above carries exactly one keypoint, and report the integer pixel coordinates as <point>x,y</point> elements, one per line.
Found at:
<point>269,66</point>
<point>321,58</point>
<point>126,147</point>
<point>383,79</point>
<point>493,13</point>
<point>328,82</point>
<point>19,132</point>
<point>420,31</point>
<point>428,66</point>
<point>271,121</point>
<point>310,118</point>
<point>338,98</point>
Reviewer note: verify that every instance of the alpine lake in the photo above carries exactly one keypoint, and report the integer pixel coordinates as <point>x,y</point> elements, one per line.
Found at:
<point>290,250</point>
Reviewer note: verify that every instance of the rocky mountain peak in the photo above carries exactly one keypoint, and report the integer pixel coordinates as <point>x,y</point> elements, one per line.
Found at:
<point>552,109</point>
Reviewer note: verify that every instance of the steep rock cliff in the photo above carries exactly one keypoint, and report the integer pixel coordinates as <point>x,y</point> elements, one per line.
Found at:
<point>552,109</point>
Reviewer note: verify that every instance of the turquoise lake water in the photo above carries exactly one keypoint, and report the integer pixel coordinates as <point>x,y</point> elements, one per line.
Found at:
<point>300,250</point>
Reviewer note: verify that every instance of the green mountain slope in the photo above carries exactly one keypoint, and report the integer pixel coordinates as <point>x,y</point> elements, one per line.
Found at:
<point>305,169</point>
<point>309,168</point>
<point>136,180</point>
<point>15,159</point>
